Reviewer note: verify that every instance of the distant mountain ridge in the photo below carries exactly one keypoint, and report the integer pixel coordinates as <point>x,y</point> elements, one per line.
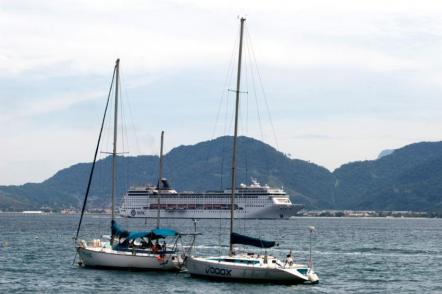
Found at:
<point>410,178</point>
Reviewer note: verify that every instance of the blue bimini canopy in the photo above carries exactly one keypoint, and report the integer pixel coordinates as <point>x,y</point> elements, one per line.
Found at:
<point>162,233</point>
<point>132,235</point>
<point>128,236</point>
<point>245,240</point>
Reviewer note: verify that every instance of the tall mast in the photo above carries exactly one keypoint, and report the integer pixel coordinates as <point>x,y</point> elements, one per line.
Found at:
<point>235,135</point>
<point>114,151</point>
<point>160,183</point>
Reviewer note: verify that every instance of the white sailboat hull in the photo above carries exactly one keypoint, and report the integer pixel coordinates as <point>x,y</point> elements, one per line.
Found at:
<point>108,258</point>
<point>201,266</point>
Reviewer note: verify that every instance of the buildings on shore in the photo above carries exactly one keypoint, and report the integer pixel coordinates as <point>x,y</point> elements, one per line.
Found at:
<point>366,213</point>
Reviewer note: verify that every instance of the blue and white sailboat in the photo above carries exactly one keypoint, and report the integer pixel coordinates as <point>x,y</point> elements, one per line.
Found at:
<point>248,266</point>
<point>126,249</point>
<point>134,250</point>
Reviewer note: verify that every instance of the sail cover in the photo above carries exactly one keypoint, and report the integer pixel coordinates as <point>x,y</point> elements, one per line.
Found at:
<point>245,240</point>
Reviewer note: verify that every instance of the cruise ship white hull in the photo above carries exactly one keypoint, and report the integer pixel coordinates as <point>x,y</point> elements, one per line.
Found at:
<point>251,202</point>
<point>271,212</point>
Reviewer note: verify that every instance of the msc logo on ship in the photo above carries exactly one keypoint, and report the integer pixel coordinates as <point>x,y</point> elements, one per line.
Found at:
<point>218,271</point>
<point>133,212</point>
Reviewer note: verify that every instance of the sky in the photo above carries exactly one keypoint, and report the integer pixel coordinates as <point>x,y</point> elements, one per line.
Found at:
<point>325,81</point>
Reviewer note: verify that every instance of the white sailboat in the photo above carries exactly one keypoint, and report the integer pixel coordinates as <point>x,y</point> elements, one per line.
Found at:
<point>126,249</point>
<point>248,266</point>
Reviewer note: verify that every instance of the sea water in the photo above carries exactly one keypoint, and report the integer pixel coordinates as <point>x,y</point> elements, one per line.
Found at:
<point>350,255</point>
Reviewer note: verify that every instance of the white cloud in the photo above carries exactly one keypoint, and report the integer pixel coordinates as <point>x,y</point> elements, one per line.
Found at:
<point>163,36</point>
<point>333,142</point>
<point>46,106</point>
<point>350,77</point>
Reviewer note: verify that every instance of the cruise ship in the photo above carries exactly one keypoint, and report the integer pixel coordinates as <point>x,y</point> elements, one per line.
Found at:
<point>252,201</point>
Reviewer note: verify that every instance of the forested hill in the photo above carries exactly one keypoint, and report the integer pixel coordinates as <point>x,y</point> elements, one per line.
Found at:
<point>410,178</point>
<point>407,179</point>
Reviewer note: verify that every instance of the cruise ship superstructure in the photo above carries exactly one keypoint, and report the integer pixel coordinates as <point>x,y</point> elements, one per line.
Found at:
<point>253,201</point>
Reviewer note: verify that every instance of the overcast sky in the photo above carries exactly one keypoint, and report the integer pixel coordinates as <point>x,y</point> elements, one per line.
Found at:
<point>343,80</point>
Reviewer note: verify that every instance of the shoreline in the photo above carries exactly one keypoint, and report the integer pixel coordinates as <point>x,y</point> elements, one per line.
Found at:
<point>347,214</point>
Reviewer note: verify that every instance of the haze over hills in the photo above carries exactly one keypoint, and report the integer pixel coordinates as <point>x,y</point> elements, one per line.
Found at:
<point>410,178</point>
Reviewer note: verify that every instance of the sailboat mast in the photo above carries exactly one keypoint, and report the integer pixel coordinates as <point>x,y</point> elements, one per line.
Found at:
<point>114,151</point>
<point>235,135</point>
<point>160,183</point>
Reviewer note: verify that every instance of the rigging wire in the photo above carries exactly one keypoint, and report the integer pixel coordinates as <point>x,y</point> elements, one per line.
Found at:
<point>131,122</point>
<point>223,140</point>
<point>246,123</point>
<point>224,91</point>
<point>125,139</point>
<point>107,146</point>
<point>122,165</point>
<point>248,36</point>
<point>227,95</point>
<point>95,158</point>
<point>255,96</point>
<point>103,183</point>
<point>132,126</point>
<point>225,137</point>
<point>223,97</point>
<point>130,131</point>
<point>127,128</point>
<point>125,161</point>
<point>104,179</point>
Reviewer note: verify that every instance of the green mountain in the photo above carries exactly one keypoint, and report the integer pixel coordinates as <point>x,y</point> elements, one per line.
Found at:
<point>410,178</point>
<point>200,167</point>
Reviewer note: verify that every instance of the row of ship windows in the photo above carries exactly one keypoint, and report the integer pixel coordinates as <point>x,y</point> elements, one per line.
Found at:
<point>201,195</point>
<point>196,201</point>
<point>239,210</point>
<point>225,200</point>
<point>253,192</point>
<point>191,206</point>
<point>215,210</point>
<point>136,199</point>
<point>195,207</point>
